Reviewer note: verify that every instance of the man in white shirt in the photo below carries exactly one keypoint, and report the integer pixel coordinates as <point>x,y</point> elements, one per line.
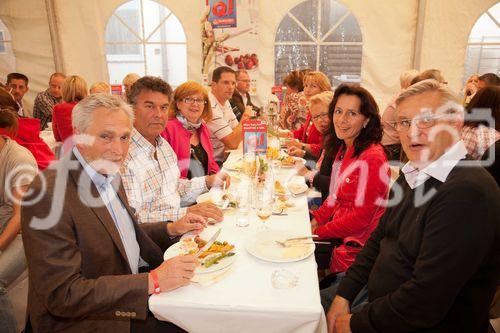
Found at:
<point>225,131</point>
<point>150,173</point>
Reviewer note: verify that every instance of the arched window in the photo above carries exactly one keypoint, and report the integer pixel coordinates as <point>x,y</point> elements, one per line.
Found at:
<point>7,59</point>
<point>146,38</point>
<point>321,35</point>
<point>483,49</point>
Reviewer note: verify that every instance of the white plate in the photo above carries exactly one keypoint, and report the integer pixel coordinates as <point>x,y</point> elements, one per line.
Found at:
<point>175,250</point>
<point>233,165</point>
<point>297,188</point>
<point>263,246</point>
<point>214,196</point>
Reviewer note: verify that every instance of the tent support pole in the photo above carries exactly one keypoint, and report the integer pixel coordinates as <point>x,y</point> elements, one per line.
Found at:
<point>419,34</point>
<point>54,35</point>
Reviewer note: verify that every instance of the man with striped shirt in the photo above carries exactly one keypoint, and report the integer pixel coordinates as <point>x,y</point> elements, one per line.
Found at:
<point>225,131</point>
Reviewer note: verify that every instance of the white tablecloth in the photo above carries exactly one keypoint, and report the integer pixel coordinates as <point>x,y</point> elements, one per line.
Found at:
<point>48,137</point>
<point>244,300</point>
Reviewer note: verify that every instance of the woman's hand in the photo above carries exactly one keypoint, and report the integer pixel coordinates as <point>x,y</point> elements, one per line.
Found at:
<point>295,151</point>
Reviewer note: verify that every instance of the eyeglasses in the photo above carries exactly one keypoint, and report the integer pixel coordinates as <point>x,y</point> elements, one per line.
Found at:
<point>422,122</point>
<point>190,100</point>
<point>323,115</point>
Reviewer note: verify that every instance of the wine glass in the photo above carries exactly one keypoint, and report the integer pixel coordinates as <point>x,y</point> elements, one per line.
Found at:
<point>264,202</point>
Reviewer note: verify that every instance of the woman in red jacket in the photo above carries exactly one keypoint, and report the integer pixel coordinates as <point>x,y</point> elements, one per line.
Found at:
<point>187,132</point>
<point>309,136</point>
<point>74,89</point>
<point>360,177</point>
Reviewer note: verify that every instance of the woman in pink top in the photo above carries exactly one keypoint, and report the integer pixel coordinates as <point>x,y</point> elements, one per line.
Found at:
<point>187,132</point>
<point>74,89</point>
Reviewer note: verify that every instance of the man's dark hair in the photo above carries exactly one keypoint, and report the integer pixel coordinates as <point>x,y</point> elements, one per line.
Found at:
<point>486,98</point>
<point>221,70</point>
<point>17,76</point>
<point>149,83</point>
<point>490,79</point>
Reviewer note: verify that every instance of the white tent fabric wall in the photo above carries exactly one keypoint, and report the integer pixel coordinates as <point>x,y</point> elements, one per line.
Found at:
<point>388,28</point>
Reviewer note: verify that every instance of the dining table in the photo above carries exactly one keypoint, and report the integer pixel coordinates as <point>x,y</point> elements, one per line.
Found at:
<point>251,295</point>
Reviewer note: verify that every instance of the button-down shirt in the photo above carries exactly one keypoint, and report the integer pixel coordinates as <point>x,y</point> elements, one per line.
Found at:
<point>118,212</point>
<point>439,169</point>
<point>44,104</point>
<point>221,125</point>
<point>152,181</point>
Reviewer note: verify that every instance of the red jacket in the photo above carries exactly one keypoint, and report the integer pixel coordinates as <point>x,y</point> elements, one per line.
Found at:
<point>349,216</point>
<point>28,136</point>
<point>310,135</point>
<point>178,137</point>
<point>61,121</point>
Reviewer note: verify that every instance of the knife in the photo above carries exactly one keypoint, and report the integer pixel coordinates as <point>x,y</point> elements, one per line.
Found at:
<point>209,243</point>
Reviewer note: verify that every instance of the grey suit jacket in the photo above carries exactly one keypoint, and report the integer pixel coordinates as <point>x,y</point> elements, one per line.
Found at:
<point>79,277</point>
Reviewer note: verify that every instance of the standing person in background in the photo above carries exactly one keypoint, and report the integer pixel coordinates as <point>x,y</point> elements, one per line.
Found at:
<point>17,170</point>
<point>225,130</point>
<point>390,138</point>
<point>294,84</point>
<point>241,96</point>
<point>127,82</point>
<point>74,89</point>
<point>18,87</point>
<point>46,100</point>
<point>187,131</point>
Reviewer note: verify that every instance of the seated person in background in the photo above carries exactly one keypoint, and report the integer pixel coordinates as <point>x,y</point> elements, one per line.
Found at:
<point>294,84</point>
<point>479,138</point>
<point>45,101</point>
<point>17,85</point>
<point>470,88</point>
<point>26,133</point>
<point>488,79</point>
<point>432,264</point>
<point>88,258</point>
<point>314,83</point>
<point>74,89</point>
<point>241,97</point>
<point>434,74</point>
<point>127,82</point>
<point>360,178</point>
<point>187,131</point>
<point>150,173</point>
<point>319,177</point>
<point>225,130</point>
<point>311,134</point>
<point>390,138</point>
<point>100,87</point>
<point>17,170</point>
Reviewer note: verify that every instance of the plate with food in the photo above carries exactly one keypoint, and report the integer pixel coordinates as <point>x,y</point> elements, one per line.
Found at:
<point>234,165</point>
<point>221,199</point>
<point>297,187</point>
<point>219,255</point>
<point>288,161</point>
<point>264,246</point>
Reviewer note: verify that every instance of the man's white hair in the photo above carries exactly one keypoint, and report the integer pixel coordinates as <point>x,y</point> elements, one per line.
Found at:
<point>82,113</point>
<point>430,85</point>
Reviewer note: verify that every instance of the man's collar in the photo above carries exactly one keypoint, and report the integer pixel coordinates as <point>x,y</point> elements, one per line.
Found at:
<point>142,142</point>
<point>440,168</point>
<point>214,101</point>
<point>99,179</point>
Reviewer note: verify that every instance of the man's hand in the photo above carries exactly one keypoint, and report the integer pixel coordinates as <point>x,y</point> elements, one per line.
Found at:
<point>218,180</point>
<point>174,273</point>
<point>339,307</point>
<point>208,210</point>
<point>296,151</point>
<point>314,224</point>
<point>187,223</point>
<point>342,324</point>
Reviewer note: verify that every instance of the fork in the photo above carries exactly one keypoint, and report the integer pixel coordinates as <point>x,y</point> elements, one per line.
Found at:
<point>284,243</point>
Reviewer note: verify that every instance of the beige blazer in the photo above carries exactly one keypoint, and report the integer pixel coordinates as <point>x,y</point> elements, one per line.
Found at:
<point>79,277</point>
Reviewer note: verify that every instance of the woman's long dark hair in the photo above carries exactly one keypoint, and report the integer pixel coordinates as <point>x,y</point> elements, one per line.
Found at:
<point>486,98</point>
<point>370,134</point>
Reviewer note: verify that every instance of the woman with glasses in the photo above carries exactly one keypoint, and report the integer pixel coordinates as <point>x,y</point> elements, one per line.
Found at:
<point>309,136</point>
<point>359,179</point>
<point>187,132</point>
